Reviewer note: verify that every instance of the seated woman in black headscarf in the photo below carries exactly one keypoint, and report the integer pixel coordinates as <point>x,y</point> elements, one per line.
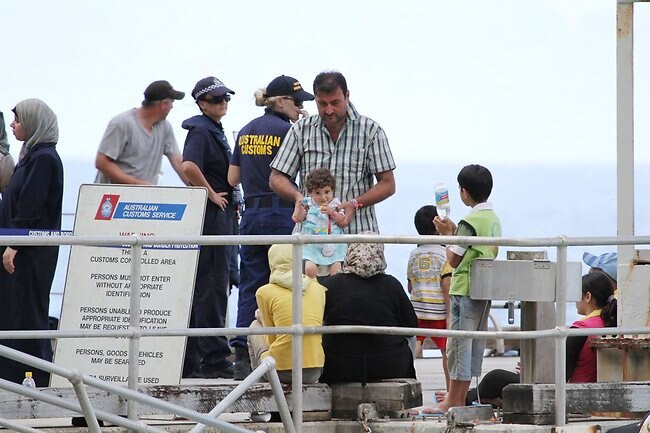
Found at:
<point>362,294</point>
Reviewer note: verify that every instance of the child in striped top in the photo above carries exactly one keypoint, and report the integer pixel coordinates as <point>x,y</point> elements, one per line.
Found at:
<point>429,278</point>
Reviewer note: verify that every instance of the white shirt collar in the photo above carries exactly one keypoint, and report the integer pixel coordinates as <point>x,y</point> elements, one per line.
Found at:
<point>486,205</point>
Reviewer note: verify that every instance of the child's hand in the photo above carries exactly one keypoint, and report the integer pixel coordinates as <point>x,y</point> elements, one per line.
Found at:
<point>348,210</point>
<point>444,226</point>
<point>299,212</point>
<point>337,216</point>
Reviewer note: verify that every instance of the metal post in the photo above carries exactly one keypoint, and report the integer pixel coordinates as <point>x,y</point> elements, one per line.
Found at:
<point>266,367</point>
<point>86,406</point>
<point>624,146</point>
<point>134,325</point>
<point>560,339</point>
<point>281,400</point>
<point>625,123</point>
<point>296,341</point>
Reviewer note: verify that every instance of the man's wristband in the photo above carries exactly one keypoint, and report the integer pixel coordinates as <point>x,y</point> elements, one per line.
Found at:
<point>356,204</point>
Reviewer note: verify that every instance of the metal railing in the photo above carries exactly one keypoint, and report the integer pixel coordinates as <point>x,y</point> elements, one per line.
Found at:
<point>134,333</point>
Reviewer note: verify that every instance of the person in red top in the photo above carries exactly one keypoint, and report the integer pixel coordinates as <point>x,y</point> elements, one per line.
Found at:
<point>598,305</point>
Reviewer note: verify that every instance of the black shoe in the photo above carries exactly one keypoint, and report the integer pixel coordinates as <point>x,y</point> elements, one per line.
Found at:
<point>242,363</point>
<point>212,372</point>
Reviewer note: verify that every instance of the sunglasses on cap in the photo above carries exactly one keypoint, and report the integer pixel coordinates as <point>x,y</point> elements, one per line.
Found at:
<point>218,99</point>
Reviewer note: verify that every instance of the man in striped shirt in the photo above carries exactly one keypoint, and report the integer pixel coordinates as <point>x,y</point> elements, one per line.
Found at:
<point>352,147</point>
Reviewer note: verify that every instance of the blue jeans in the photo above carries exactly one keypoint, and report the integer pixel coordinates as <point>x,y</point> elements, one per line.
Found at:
<point>465,355</point>
<point>254,259</point>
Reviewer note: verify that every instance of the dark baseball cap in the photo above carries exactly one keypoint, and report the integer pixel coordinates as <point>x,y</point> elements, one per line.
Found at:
<point>210,86</point>
<point>159,90</point>
<point>287,86</point>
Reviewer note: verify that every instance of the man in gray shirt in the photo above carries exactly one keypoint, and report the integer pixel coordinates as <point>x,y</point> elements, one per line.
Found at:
<point>134,142</point>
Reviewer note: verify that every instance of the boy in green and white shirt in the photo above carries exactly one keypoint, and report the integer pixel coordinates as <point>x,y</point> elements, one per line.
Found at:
<point>465,355</point>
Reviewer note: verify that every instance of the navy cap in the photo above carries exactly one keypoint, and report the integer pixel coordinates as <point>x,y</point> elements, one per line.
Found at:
<point>210,86</point>
<point>159,90</point>
<point>287,86</point>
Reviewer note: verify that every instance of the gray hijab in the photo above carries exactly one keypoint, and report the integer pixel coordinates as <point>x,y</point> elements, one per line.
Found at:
<point>38,121</point>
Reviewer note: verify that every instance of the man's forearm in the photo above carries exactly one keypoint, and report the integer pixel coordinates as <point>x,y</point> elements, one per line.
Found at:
<point>176,162</point>
<point>384,188</point>
<point>283,186</point>
<point>378,193</point>
<point>116,175</point>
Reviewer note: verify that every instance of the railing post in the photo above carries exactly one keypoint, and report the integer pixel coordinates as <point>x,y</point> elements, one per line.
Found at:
<point>560,339</point>
<point>625,126</point>
<point>134,326</point>
<point>296,340</point>
<point>86,405</point>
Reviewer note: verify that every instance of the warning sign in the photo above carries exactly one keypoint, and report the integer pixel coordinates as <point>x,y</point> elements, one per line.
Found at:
<point>98,284</point>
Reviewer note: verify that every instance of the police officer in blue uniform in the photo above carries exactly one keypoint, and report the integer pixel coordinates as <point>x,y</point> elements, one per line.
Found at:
<point>265,213</point>
<point>206,157</point>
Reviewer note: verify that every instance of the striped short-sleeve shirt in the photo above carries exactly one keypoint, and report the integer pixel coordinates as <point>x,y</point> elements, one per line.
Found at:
<point>426,266</point>
<point>361,151</point>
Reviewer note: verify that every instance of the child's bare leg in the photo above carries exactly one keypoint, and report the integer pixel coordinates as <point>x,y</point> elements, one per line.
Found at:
<point>311,269</point>
<point>335,268</point>
<point>440,396</point>
<point>418,349</point>
<point>444,366</point>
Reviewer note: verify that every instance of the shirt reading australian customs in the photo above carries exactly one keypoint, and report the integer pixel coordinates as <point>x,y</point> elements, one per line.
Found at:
<point>360,152</point>
<point>256,146</point>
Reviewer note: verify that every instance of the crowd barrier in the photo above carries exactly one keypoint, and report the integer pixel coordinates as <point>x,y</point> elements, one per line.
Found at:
<point>134,333</point>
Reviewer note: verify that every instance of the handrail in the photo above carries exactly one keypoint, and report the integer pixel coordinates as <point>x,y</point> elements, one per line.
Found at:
<point>331,329</point>
<point>316,239</point>
<point>134,333</point>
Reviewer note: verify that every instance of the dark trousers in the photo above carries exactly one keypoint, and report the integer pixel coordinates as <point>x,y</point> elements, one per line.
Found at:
<point>25,303</point>
<point>254,259</point>
<point>211,294</point>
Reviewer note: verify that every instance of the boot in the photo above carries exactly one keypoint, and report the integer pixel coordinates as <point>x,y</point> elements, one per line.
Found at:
<point>242,363</point>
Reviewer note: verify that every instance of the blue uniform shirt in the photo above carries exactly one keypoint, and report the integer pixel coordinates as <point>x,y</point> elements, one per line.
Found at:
<point>257,144</point>
<point>207,147</point>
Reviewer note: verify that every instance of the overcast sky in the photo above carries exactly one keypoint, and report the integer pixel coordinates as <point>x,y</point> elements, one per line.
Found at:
<point>489,81</point>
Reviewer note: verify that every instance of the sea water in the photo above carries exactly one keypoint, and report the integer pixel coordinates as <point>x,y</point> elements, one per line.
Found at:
<point>531,201</point>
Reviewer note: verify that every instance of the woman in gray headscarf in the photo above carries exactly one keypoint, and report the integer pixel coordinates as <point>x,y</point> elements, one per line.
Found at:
<point>32,201</point>
<point>362,294</point>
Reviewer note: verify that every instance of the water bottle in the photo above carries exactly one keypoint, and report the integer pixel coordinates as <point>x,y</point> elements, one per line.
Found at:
<point>28,381</point>
<point>442,200</point>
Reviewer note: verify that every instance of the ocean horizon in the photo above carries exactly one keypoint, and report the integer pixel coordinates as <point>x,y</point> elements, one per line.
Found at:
<point>532,201</point>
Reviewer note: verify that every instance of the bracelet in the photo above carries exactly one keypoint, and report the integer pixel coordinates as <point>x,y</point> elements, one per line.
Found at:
<point>356,204</point>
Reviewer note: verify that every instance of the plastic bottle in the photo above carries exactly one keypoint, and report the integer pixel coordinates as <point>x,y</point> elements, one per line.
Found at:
<point>442,200</point>
<point>28,381</point>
